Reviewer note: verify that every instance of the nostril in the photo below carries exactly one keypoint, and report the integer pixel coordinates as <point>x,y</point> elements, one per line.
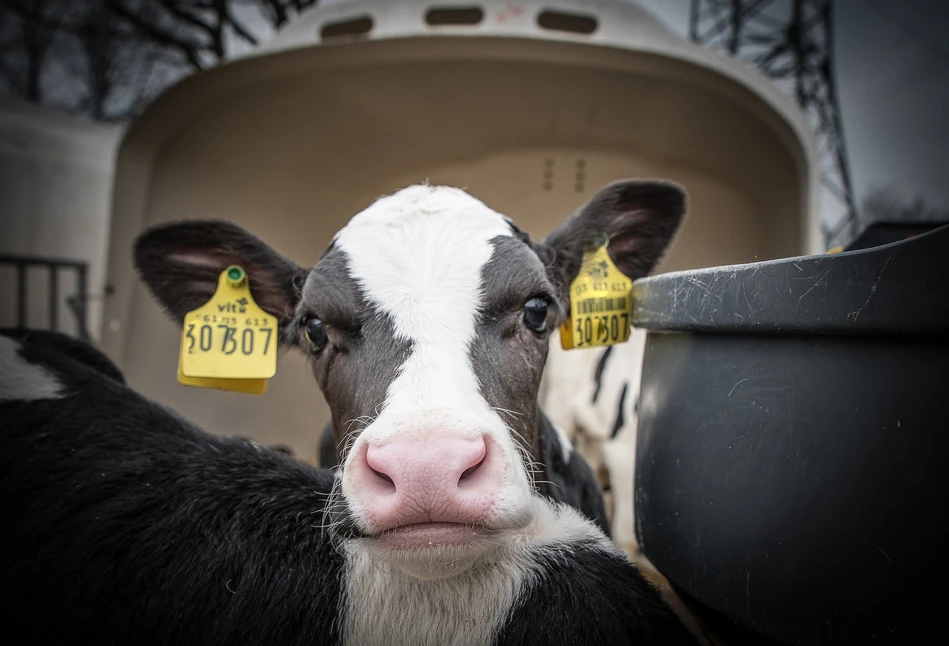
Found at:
<point>378,465</point>
<point>383,476</point>
<point>470,471</point>
<point>476,460</point>
<point>442,463</point>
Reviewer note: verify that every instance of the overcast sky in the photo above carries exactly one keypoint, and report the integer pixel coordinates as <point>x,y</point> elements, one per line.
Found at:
<point>892,66</point>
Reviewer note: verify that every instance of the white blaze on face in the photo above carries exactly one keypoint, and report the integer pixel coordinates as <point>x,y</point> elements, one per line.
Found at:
<point>418,256</point>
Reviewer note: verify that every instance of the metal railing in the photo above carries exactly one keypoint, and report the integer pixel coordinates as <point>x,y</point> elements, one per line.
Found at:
<point>75,302</point>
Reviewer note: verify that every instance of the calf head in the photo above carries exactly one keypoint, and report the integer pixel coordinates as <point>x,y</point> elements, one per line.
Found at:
<point>427,323</point>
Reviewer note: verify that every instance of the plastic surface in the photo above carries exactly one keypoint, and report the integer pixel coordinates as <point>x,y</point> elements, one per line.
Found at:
<point>898,289</point>
<point>795,483</point>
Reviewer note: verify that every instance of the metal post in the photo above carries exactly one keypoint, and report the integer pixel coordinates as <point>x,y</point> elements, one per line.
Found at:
<point>76,303</point>
<point>53,297</point>
<point>21,295</point>
<point>81,301</point>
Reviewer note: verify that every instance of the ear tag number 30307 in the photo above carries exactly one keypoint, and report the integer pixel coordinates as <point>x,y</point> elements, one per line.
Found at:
<point>229,343</point>
<point>601,301</point>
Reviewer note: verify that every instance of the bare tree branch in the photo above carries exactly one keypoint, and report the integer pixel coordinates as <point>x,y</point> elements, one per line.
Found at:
<point>13,75</point>
<point>239,29</point>
<point>183,14</point>
<point>107,58</point>
<point>190,49</point>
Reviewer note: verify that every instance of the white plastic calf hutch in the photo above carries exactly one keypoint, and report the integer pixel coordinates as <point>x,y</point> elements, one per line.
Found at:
<point>532,106</point>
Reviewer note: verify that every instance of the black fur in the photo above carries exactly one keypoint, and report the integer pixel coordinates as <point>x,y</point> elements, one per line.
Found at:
<point>639,218</point>
<point>181,262</point>
<point>620,412</point>
<point>598,375</point>
<point>572,482</point>
<point>125,524</point>
<point>328,455</point>
<point>608,605</point>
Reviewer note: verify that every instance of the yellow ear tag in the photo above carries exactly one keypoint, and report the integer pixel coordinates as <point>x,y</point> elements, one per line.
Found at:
<point>229,343</point>
<point>600,303</point>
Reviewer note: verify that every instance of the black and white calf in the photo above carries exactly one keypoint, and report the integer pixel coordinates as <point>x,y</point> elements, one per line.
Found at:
<point>593,396</point>
<point>427,321</point>
<point>125,524</point>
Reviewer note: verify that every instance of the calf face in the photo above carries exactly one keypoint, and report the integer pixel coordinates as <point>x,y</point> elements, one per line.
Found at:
<point>427,322</point>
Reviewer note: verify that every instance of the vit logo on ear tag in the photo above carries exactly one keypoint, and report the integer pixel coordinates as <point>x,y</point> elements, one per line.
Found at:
<point>229,343</point>
<point>601,300</point>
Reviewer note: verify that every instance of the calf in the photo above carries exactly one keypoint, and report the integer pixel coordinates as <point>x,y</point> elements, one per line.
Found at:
<point>427,322</point>
<point>125,524</point>
<point>593,396</point>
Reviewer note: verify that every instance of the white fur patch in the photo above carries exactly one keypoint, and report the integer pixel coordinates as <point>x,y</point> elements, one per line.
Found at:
<point>21,380</point>
<point>568,399</point>
<point>559,526</point>
<point>619,453</point>
<point>384,606</point>
<point>566,447</point>
<point>418,256</point>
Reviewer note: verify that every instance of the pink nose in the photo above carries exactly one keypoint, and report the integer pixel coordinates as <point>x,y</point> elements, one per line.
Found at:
<point>426,480</point>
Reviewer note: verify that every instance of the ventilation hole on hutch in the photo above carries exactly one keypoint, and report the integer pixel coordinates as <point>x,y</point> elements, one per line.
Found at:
<point>440,16</point>
<point>581,163</point>
<point>578,187</point>
<point>548,186</point>
<point>570,22</point>
<point>347,29</point>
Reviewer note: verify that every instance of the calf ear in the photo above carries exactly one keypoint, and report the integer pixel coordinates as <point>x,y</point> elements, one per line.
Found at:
<point>639,218</point>
<point>182,261</point>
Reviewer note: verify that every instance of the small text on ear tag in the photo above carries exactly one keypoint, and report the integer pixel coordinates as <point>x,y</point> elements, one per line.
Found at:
<point>600,303</point>
<point>229,343</point>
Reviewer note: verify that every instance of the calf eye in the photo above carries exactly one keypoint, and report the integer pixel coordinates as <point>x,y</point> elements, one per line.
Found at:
<point>535,314</point>
<point>315,333</point>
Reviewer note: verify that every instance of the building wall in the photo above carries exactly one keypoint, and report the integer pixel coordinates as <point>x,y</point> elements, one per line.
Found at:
<point>55,201</point>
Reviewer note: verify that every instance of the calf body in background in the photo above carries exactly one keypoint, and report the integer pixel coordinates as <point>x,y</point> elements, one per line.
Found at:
<point>593,395</point>
<point>125,524</point>
<point>427,323</point>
